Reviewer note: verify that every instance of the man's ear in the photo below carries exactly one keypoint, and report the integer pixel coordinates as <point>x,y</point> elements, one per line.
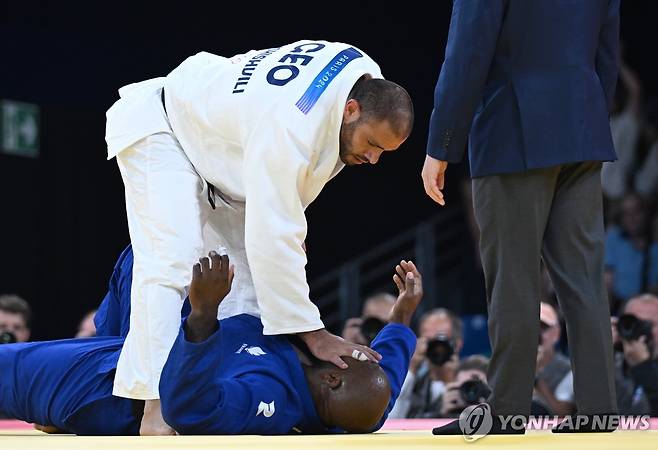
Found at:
<point>352,111</point>
<point>332,380</point>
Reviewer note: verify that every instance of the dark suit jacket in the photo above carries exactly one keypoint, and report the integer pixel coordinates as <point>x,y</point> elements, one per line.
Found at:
<point>528,82</point>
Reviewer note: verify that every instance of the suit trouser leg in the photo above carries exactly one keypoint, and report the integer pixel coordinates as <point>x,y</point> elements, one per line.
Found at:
<point>511,211</point>
<point>166,212</point>
<point>573,252</point>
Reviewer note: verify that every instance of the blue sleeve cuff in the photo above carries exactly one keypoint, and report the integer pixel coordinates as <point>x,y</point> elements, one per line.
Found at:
<point>211,340</point>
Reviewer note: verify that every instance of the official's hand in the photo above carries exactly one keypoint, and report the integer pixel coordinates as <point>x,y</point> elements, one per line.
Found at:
<point>210,282</point>
<point>410,287</point>
<point>433,175</point>
<point>636,351</point>
<point>329,347</point>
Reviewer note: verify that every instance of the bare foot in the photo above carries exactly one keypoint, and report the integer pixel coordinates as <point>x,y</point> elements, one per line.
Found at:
<point>152,422</point>
<point>47,429</point>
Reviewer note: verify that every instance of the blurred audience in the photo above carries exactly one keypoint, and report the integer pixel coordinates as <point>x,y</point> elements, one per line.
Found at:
<point>553,392</point>
<point>625,124</point>
<point>631,252</point>
<point>645,179</point>
<point>432,366</point>
<point>374,316</point>
<point>87,328</point>
<point>15,316</point>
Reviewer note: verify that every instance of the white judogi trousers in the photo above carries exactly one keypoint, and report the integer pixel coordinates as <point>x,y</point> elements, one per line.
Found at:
<point>171,225</point>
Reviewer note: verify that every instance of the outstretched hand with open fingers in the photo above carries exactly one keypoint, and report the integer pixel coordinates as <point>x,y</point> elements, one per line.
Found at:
<point>212,278</point>
<point>409,282</point>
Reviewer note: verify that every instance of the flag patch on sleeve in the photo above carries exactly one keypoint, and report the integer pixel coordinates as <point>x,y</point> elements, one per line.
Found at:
<point>325,77</point>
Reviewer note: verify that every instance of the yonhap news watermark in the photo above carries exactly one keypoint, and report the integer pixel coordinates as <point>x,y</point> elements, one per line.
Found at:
<point>477,421</point>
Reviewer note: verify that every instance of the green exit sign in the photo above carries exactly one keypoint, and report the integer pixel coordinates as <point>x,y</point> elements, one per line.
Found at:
<point>19,131</point>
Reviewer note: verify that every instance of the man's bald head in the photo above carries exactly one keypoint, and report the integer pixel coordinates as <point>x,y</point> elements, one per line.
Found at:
<point>353,399</point>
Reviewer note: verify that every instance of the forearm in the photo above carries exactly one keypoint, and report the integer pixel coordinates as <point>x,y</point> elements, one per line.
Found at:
<point>277,267</point>
<point>200,326</point>
<point>401,316</point>
<point>275,228</point>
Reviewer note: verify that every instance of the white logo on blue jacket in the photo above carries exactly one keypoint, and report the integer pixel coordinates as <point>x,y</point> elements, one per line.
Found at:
<point>254,350</point>
<point>266,408</point>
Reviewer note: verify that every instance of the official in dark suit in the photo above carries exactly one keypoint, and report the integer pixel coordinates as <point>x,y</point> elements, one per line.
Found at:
<point>529,84</point>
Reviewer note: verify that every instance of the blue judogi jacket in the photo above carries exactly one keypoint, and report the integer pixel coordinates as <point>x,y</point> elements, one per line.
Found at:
<point>242,382</point>
<point>236,382</point>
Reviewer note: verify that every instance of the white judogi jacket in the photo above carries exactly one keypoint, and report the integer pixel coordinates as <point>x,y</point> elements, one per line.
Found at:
<point>263,128</point>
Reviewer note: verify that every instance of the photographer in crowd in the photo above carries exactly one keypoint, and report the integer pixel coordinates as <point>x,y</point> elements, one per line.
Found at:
<point>15,315</point>
<point>374,317</point>
<point>469,388</point>
<point>433,365</point>
<point>552,394</point>
<point>636,356</point>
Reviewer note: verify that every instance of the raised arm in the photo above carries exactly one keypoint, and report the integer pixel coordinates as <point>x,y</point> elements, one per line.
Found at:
<point>396,342</point>
<point>195,400</point>
<point>276,166</point>
<point>275,169</point>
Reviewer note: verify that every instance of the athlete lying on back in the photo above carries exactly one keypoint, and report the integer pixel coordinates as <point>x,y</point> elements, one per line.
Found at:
<point>221,377</point>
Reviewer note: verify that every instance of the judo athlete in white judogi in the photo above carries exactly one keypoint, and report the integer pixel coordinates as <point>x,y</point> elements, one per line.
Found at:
<point>230,152</point>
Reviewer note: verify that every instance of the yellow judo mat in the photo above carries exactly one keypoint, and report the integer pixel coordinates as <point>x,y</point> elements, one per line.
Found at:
<point>383,440</point>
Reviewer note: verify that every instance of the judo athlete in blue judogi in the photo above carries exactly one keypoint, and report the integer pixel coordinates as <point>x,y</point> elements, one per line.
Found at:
<point>221,377</point>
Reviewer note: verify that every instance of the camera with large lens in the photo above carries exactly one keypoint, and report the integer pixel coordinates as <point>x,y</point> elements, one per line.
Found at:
<point>370,328</point>
<point>474,391</point>
<point>631,328</point>
<point>440,349</point>
<point>7,337</point>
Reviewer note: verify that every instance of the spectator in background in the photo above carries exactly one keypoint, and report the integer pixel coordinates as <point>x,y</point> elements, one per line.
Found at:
<point>374,316</point>
<point>15,316</point>
<point>646,178</point>
<point>631,257</point>
<point>631,399</point>
<point>637,357</point>
<point>625,125</point>
<point>432,366</point>
<point>87,328</point>
<point>553,394</point>
<point>469,388</point>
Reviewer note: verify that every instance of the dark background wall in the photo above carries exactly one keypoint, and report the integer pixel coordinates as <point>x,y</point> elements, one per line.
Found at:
<point>62,220</point>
